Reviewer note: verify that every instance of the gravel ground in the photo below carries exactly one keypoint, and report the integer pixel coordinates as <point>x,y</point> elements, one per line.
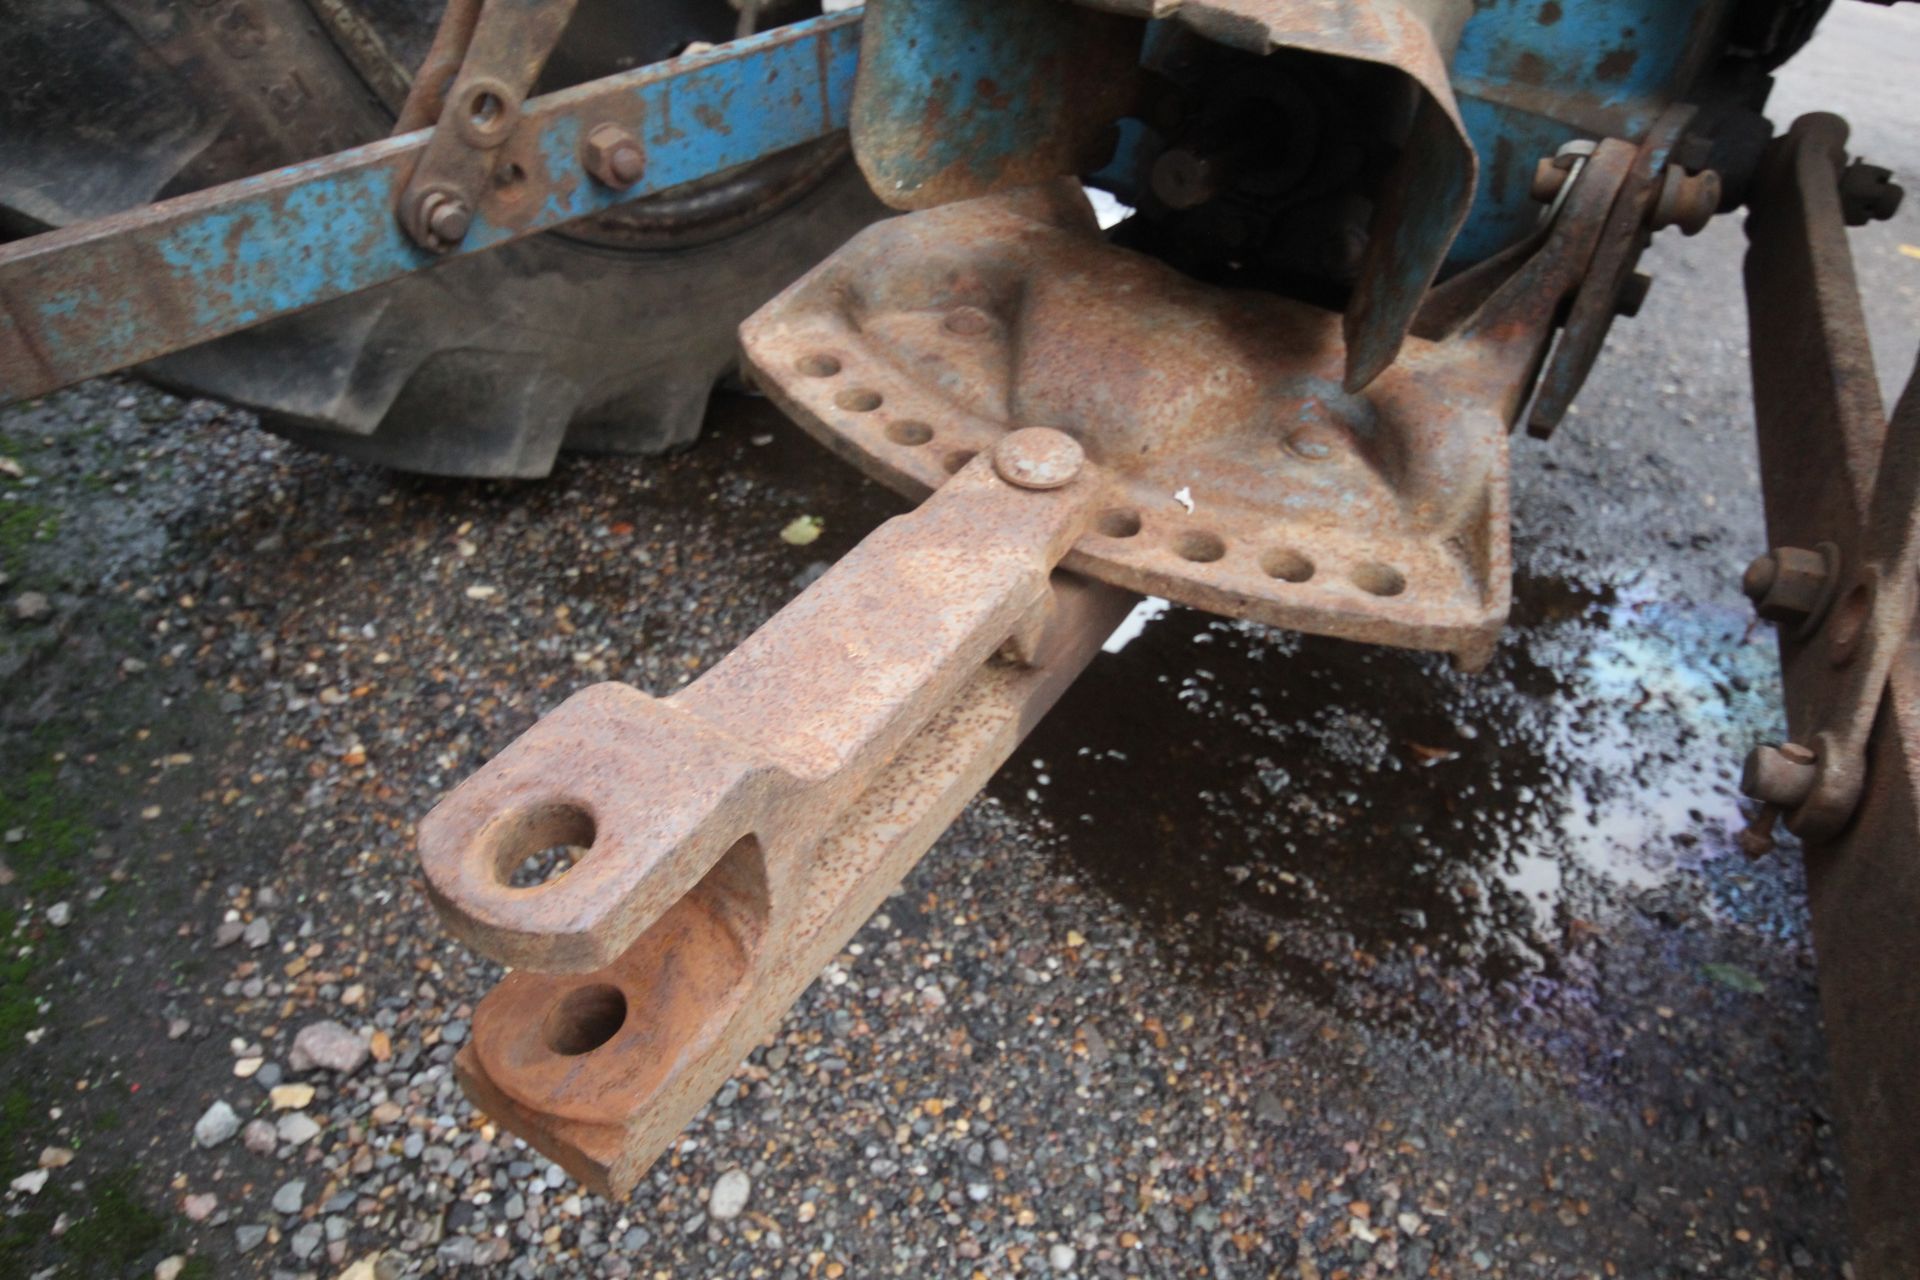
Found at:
<point>1267,956</point>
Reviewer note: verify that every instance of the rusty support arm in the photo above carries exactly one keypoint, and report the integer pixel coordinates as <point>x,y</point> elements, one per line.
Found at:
<point>1829,463</point>
<point>739,831</point>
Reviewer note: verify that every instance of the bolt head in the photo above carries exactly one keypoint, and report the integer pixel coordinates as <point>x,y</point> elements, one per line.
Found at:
<point>1038,458</point>
<point>1781,774</point>
<point>447,218</point>
<point>1868,193</point>
<point>1791,583</point>
<point>1186,179</point>
<point>614,156</point>
<point>1548,177</point>
<point>1686,200</point>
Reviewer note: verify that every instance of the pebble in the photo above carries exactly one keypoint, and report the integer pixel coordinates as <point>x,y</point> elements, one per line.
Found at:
<point>1061,1257</point>
<point>327,1044</point>
<point>729,1195</point>
<point>306,1241</point>
<point>200,1206</point>
<point>297,1128</point>
<point>30,1183</point>
<point>260,1137</point>
<point>246,1239</point>
<point>32,606</point>
<point>290,1097</point>
<point>290,1197</point>
<point>60,914</point>
<point>216,1125</point>
<point>257,933</point>
<point>170,1268</point>
<point>1176,1106</point>
<point>55,1157</point>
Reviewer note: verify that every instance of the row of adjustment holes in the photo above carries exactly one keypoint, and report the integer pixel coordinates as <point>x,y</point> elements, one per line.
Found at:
<point>1203,547</point>
<point>905,432</point>
<point>1196,545</point>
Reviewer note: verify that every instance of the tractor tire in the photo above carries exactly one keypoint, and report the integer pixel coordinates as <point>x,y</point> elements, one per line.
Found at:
<point>605,337</point>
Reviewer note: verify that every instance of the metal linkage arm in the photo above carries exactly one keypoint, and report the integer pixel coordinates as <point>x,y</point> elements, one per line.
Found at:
<point>739,831</point>
<point>1840,481</point>
<point>100,296</point>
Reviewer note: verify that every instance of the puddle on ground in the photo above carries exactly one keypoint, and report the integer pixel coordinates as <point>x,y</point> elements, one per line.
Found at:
<point>1297,798</point>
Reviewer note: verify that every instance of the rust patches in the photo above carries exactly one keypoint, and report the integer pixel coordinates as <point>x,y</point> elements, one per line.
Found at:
<point>712,119</point>
<point>741,830</point>
<point>664,129</point>
<point>1531,69</point>
<point>1549,13</point>
<point>989,94</point>
<point>1127,355</point>
<point>1616,66</point>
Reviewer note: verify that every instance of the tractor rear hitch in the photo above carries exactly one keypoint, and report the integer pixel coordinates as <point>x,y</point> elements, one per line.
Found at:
<point>1071,452</point>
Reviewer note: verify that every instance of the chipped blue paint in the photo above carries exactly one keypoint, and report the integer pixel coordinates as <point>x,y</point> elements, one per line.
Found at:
<point>88,299</point>
<point>1531,75</point>
<point>957,98</point>
<point>965,92</point>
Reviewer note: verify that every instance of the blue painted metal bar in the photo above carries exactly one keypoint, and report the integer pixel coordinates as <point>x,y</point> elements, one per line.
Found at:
<point>92,298</point>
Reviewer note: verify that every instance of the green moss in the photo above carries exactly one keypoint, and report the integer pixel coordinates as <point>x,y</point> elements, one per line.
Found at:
<point>22,1233</point>
<point>114,1232</point>
<point>21,524</point>
<point>117,1230</point>
<point>56,837</point>
<point>16,1114</point>
<point>19,1006</point>
<point>44,865</point>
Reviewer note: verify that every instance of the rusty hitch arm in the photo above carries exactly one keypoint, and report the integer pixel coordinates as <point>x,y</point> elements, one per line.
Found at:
<point>740,831</point>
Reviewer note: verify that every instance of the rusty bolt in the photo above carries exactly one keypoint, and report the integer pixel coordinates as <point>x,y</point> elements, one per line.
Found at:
<point>446,218</point>
<point>1868,194</point>
<point>1756,841</point>
<point>1687,200</point>
<point>1038,458</point>
<point>614,156</point>
<point>1549,175</point>
<point>1780,775</point>
<point>1788,584</point>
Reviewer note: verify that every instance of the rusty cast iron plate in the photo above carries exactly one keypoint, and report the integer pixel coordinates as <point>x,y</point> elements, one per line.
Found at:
<point>1250,483</point>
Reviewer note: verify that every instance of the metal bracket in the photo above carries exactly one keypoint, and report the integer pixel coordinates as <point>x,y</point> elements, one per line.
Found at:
<point>1248,482</point>
<point>101,295</point>
<point>1657,193</point>
<point>509,42</point>
<point>1851,597</point>
<point>739,831</point>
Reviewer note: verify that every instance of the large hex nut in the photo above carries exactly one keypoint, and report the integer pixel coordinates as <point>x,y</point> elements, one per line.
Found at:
<point>1790,585</point>
<point>613,156</point>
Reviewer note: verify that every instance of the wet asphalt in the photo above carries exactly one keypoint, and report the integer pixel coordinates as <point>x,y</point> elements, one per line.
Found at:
<point>1266,955</point>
